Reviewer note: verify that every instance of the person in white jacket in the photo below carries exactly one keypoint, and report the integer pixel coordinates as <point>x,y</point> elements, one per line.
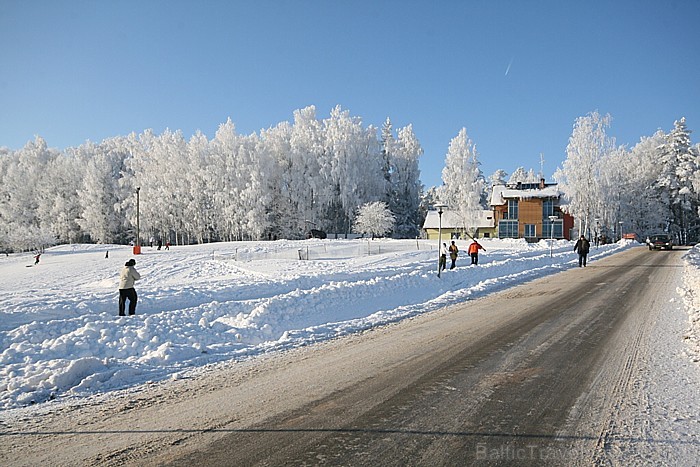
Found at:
<point>127,277</point>
<point>443,257</point>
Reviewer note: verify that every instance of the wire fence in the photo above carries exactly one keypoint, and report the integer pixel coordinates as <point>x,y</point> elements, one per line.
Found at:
<point>329,249</point>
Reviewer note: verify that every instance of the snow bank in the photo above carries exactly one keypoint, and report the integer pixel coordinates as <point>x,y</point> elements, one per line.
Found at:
<point>199,305</point>
<point>690,291</point>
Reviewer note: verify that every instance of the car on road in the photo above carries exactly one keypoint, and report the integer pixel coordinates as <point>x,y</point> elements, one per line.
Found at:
<point>660,242</point>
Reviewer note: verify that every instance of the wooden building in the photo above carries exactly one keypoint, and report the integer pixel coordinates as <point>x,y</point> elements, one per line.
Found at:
<point>524,211</point>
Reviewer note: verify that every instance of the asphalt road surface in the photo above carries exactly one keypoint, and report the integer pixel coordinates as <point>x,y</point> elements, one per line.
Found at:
<point>529,376</point>
<point>533,379</point>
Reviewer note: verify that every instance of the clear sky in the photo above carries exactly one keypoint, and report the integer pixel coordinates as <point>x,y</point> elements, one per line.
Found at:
<point>515,74</point>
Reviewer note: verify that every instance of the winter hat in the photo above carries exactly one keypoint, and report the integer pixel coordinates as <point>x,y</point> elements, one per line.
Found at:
<point>131,262</point>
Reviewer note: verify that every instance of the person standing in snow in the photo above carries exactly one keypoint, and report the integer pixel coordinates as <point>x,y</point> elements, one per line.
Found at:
<point>453,254</point>
<point>582,247</point>
<point>443,257</point>
<point>36,259</point>
<point>127,277</point>
<point>474,251</point>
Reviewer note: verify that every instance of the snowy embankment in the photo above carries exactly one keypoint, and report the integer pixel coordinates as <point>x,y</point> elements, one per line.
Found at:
<point>690,291</point>
<point>198,305</point>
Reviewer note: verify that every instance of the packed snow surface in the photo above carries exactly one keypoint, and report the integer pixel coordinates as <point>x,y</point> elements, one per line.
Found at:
<point>61,338</point>
<point>690,291</point>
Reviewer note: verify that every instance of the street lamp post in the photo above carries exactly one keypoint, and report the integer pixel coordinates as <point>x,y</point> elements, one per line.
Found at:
<point>440,211</point>
<point>137,246</point>
<point>551,233</point>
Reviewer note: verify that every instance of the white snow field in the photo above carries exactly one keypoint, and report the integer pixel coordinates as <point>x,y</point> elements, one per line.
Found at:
<point>61,338</point>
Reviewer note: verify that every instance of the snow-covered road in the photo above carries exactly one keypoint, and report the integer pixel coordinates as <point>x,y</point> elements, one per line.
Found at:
<point>656,419</point>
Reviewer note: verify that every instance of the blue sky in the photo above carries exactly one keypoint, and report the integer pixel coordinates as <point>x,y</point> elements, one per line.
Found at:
<point>515,74</point>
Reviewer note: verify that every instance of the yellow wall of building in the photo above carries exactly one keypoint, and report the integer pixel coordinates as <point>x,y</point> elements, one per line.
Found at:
<point>432,234</point>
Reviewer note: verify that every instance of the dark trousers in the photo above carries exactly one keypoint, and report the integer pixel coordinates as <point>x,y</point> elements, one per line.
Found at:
<point>454,259</point>
<point>131,295</point>
<point>582,260</point>
<point>443,262</point>
<point>475,258</point>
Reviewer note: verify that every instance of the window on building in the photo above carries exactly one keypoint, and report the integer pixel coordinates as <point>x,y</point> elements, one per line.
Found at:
<point>530,231</point>
<point>508,229</point>
<point>512,213</point>
<point>547,208</point>
<point>554,229</point>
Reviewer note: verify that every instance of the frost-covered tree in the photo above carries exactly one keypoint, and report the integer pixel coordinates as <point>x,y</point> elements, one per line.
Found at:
<point>302,182</point>
<point>99,192</point>
<point>277,179</point>
<point>374,218</point>
<point>404,182</point>
<point>278,183</point>
<point>26,196</point>
<point>352,167</point>
<point>579,177</point>
<point>159,167</point>
<point>387,144</point>
<point>612,201</point>
<point>696,176</point>
<point>498,178</point>
<point>239,185</point>
<point>199,213</point>
<point>142,171</point>
<point>640,207</point>
<point>58,206</point>
<point>463,182</point>
<point>518,176</point>
<point>680,165</point>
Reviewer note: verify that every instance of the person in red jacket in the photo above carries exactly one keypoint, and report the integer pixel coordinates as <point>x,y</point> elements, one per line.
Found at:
<point>474,251</point>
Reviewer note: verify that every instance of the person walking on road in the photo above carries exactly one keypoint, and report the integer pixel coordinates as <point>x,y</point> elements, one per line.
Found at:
<point>582,247</point>
<point>474,251</point>
<point>453,254</point>
<point>443,257</point>
<point>127,277</point>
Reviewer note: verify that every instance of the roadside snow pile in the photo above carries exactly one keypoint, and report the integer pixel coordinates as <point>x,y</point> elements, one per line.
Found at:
<point>203,304</point>
<point>691,296</point>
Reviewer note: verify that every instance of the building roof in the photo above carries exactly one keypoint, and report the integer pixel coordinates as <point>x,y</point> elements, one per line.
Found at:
<point>501,193</point>
<point>453,220</point>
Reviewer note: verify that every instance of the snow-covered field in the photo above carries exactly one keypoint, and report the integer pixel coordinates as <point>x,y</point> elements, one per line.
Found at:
<point>61,338</point>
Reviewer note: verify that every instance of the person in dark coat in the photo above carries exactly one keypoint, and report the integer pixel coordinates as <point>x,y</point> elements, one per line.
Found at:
<point>582,247</point>
<point>454,251</point>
